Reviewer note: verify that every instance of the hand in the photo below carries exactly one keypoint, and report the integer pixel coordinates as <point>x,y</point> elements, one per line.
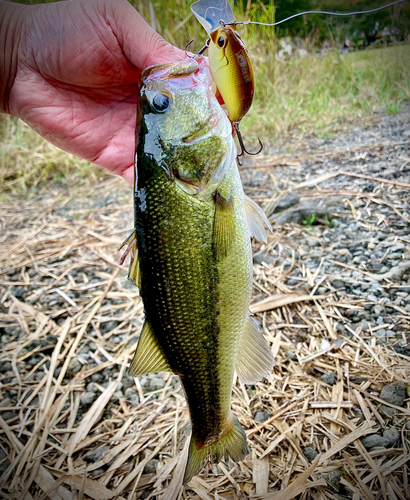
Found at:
<point>76,79</point>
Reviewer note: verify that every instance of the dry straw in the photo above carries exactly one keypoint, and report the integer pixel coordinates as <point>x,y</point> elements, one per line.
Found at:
<point>61,250</point>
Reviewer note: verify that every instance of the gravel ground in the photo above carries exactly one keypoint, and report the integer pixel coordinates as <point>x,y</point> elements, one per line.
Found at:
<point>356,231</point>
<point>340,210</point>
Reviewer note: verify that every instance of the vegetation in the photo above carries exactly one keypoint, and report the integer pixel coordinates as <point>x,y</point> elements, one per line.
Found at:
<point>316,94</point>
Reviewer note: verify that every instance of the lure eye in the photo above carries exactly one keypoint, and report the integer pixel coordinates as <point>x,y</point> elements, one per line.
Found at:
<point>160,103</point>
<point>221,41</point>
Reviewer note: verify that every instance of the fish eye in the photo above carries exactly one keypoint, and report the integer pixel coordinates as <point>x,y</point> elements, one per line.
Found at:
<point>221,41</point>
<point>160,103</point>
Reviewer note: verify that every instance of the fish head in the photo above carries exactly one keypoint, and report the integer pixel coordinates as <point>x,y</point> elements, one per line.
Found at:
<point>182,125</point>
<point>232,71</point>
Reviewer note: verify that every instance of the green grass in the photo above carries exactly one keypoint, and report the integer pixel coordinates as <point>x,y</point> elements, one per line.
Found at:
<point>313,95</point>
<point>317,94</point>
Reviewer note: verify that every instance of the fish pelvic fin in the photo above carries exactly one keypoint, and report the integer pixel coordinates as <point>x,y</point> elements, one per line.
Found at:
<point>149,357</point>
<point>134,273</point>
<point>232,444</point>
<point>256,219</point>
<point>255,359</point>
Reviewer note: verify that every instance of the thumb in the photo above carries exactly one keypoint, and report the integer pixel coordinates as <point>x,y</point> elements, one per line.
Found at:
<point>141,44</point>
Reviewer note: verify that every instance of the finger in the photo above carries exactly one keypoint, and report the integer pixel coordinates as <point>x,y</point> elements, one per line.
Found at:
<point>141,44</point>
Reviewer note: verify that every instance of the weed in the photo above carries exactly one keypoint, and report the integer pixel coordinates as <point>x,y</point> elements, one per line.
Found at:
<point>302,95</point>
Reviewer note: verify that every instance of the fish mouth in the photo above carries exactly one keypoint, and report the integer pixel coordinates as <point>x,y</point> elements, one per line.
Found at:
<point>169,70</point>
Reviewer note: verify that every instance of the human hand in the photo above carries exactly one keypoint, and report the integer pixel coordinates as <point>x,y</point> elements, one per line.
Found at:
<point>76,79</point>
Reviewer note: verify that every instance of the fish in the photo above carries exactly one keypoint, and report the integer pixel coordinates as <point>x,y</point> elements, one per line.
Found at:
<point>232,71</point>
<point>191,255</point>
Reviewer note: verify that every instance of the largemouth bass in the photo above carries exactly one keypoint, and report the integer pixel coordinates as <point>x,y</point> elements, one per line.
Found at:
<point>192,257</point>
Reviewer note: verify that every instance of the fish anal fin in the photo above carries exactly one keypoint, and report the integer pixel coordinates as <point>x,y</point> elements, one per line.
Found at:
<point>224,229</point>
<point>256,218</point>
<point>134,272</point>
<point>149,357</point>
<point>255,359</point>
<point>231,444</point>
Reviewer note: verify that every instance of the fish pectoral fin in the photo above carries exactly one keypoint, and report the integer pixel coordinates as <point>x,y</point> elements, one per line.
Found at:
<point>224,229</point>
<point>149,357</point>
<point>231,444</point>
<point>256,217</point>
<point>134,273</point>
<point>255,359</point>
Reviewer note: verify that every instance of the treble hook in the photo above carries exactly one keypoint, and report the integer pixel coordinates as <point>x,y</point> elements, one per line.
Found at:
<point>200,52</point>
<point>243,149</point>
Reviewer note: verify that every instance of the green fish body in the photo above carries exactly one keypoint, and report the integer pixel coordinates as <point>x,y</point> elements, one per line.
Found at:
<point>192,256</point>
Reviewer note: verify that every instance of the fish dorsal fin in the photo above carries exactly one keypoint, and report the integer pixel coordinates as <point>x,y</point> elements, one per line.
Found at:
<point>255,217</point>
<point>255,359</point>
<point>224,229</point>
<point>149,357</point>
<point>134,273</point>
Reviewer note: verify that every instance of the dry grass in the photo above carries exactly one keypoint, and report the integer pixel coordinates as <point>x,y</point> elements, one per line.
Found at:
<point>29,163</point>
<point>67,248</point>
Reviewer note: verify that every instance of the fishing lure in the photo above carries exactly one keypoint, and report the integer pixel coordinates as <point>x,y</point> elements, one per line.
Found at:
<point>229,62</point>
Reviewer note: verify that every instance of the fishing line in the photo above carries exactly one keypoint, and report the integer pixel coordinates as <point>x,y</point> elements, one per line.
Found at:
<point>316,12</point>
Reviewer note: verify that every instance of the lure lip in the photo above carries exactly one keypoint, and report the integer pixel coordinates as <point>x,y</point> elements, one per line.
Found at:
<point>210,13</point>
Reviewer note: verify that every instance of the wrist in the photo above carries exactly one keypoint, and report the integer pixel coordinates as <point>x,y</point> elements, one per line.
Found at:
<point>11,30</point>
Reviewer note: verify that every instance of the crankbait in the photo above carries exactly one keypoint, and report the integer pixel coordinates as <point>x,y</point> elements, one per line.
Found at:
<point>230,65</point>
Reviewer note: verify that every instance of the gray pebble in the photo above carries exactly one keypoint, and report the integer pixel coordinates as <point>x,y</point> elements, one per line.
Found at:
<point>156,384</point>
<point>96,472</point>
<point>394,393</point>
<point>329,377</point>
<point>373,440</point>
<point>310,453</point>
<point>97,377</point>
<point>392,435</point>
<point>144,382</point>
<point>108,326</point>
<point>4,465</point>
<point>129,392</point>
<point>408,425</point>
<point>262,416</point>
<point>3,403</point>
<point>287,202</point>
<point>5,367</point>
<point>129,285</point>
<point>134,399</point>
<point>8,415</point>
<point>262,257</point>
<point>151,467</point>
<point>127,381</point>
<point>117,395</point>
<point>387,411</point>
<point>88,398</point>
<point>97,454</point>
<point>74,366</point>
<point>334,479</point>
<point>91,387</point>
<point>291,355</point>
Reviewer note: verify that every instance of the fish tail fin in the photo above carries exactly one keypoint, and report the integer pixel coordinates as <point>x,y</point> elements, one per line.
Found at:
<point>232,444</point>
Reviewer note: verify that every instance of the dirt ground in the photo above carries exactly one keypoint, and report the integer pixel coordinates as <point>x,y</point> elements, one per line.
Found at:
<point>331,291</point>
